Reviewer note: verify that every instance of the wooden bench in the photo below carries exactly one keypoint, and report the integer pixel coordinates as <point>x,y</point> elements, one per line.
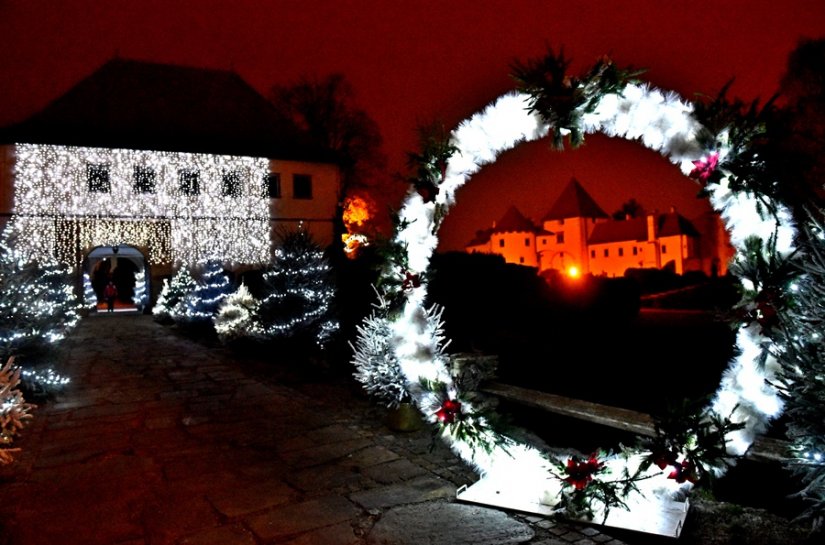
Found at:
<point>764,449</point>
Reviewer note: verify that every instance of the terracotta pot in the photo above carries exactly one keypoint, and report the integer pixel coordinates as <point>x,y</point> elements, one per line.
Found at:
<point>405,417</point>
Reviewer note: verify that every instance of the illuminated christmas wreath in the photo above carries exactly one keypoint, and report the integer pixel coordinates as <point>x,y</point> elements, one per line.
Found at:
<point>710,143</point>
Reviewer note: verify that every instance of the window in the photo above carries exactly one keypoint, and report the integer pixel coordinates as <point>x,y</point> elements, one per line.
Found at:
<point>593,254</point>
<point>301,186</point>
<point>273,185</point>
<point>501,243</point>
<point>189,182</point>
<point>527,242</point>
<point>97,175</point>
<point>561,221</point>
<point>231,184</point>
<point>621,252</point>
<point>664,248</point>
<point>544,242</point>
<point>606,252</point>
<point>635,250</point>
<point>521,260</point>
<point>143,180</point>
<point>560,238</point>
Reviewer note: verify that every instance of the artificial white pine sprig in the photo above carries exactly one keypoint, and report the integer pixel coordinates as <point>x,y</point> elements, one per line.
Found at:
<point>375,362</point>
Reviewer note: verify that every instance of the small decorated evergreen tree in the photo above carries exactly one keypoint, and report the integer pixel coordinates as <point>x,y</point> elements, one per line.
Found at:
<point>37,302</point>
<point>140,297</point>
<point>236,317</point>
<point>299,289</point>
<point>172,294</point>
<point>89,295</point>
<point>202,304</point>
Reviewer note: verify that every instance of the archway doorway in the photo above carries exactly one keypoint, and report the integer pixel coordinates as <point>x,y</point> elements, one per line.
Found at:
<point>121,265</point>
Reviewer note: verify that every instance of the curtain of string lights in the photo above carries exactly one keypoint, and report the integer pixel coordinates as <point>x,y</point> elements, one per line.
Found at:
<point>180,208</point>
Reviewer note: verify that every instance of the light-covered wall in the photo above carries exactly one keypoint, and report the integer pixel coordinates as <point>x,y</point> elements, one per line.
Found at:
<point>55,208</point>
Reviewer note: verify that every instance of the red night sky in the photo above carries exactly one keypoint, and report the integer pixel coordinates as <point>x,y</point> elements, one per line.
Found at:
<point>414,62</point>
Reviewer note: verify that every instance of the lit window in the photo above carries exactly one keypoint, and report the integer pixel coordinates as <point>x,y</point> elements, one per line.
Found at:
<point>301,186</point>
<point>143,179</point>
<point>560,238</point>
<point>273,185</point>
<point>231,183</point>
<point>97,174</point>
<point>189,182</point>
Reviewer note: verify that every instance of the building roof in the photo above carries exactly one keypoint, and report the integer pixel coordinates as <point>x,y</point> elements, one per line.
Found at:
<point>513,221</point>
<point>672,223</point>
<point>142,105</point>
<point>574,202</point>
<point>635,229</point>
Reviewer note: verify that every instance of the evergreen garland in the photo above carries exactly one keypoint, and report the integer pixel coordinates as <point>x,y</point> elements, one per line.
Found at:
<point>802,327</point>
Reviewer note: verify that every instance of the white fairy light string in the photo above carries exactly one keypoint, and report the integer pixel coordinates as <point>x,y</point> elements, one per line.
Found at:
<point>659,120</point>
<point>183,207</point>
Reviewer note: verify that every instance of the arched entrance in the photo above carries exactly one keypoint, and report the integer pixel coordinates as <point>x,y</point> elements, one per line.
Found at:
<point>122,264</point>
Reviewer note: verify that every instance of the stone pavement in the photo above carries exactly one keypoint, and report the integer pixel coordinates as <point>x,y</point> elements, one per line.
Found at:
<point>162,439</point>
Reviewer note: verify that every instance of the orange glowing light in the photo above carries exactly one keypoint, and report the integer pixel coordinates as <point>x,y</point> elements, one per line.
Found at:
<point>573,271</point>
<point>357,212</point>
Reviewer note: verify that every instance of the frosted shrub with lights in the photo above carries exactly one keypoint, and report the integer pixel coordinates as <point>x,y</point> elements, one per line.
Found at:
<point>237,317</point>
<point>298,292</point>
<point>715,144</point>
<point>199,307</point>
<point>172,294</point>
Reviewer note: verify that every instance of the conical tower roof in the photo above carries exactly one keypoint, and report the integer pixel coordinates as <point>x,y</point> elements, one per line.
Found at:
<point>514,221</point>
<point>574,202</point>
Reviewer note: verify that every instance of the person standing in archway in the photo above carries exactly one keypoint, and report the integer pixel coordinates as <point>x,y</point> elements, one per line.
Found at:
<point>110,294</point>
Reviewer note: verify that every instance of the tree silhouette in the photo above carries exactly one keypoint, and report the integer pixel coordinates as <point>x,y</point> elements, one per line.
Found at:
<point>630,209</point>
<point>326,109</point>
